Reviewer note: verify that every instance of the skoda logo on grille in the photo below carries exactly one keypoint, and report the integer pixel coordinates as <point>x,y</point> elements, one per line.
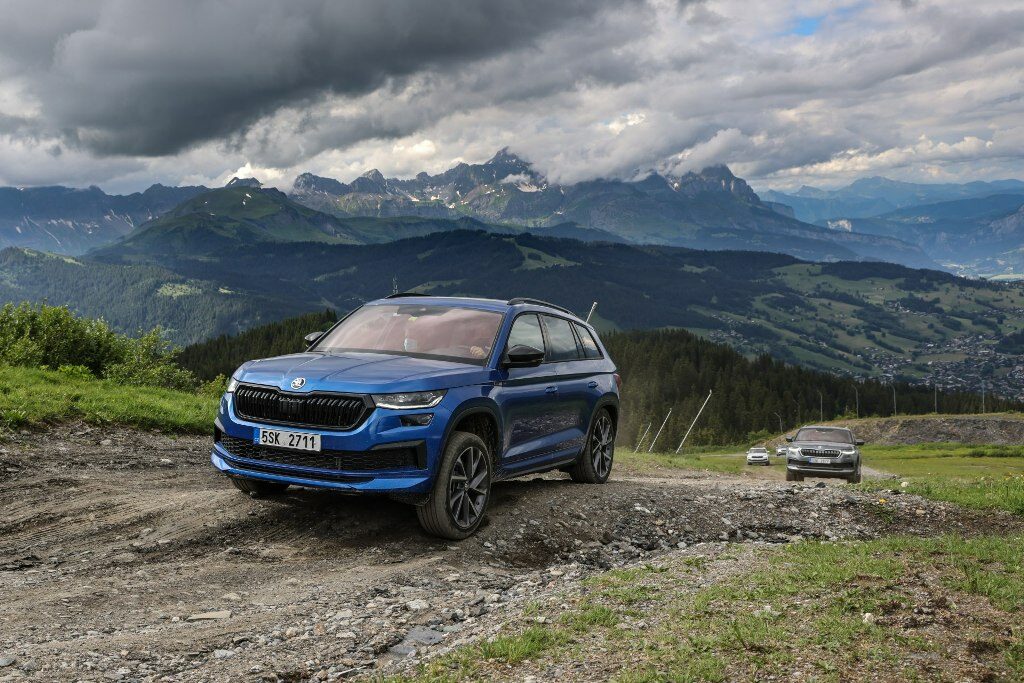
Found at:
<point>298,382</point>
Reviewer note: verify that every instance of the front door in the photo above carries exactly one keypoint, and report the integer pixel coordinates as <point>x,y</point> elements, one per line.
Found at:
<point>527,398</point>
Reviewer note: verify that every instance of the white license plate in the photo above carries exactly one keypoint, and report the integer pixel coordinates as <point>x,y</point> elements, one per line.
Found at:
<point>820,461</point>
<point>299,441</point>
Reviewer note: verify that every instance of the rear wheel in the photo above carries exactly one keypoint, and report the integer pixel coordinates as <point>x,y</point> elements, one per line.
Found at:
<point>793,476</point>
<point>257,488</point>
<point>595,462</point>
<point>463,488</point>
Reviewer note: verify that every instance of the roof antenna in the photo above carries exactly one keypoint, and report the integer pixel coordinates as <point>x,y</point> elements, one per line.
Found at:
<point>592,309</point>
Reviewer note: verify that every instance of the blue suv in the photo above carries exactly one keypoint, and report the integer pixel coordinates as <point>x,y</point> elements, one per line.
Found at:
<point>429,400</point>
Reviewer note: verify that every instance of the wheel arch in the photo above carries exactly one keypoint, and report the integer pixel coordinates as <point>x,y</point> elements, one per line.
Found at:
<point>610,402</point>
<point>480,417</point>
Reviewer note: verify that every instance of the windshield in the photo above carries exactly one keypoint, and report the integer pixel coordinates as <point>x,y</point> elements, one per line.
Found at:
<point>460,334</point>
<point>824,434</point>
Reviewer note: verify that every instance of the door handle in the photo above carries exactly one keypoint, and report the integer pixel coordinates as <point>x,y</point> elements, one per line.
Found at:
<point>592,384</point>
<point>551,390</point>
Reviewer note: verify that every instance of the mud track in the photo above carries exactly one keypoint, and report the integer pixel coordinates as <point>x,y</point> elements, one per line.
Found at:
<point>113,542</point>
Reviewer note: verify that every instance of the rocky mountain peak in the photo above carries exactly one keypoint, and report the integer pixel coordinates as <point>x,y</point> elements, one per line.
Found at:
<point>308,183</point>
<point>718,178</point>
<point>244,182</point>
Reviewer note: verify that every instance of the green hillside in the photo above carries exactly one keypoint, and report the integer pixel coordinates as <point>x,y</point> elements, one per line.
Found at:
<point>134,297</point>
<point>860,318</point>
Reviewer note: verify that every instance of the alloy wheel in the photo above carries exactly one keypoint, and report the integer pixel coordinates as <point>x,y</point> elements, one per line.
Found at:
<point>601,445</point>
<point>468,487</point>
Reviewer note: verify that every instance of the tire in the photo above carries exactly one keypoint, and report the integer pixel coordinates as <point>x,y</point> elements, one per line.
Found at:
<point>257,488</point>
<point>856,477</point>
<point>793,476</point>
<point>595,462</point>
<point>457,503</point>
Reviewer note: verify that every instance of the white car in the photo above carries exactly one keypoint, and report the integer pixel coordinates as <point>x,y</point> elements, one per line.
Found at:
<point>758,455</point>
<point>782,451</point>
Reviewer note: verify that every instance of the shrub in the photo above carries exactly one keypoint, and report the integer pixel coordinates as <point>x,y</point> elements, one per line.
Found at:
<point>149,361</point>
<point>42,336</point>
<point>33,336</point>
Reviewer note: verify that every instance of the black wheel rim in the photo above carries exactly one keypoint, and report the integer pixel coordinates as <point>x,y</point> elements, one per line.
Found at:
<point>468,487</point>
<point>602,446</point>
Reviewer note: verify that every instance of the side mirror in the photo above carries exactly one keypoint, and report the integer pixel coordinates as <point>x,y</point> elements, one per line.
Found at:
<point>789,439</point>
<point>859,442</point>
<point>521,356</point>
<point>312,338</point>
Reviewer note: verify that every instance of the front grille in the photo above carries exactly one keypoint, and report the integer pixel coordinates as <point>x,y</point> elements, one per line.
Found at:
<point>346,461</point>
<point>820,452</point>
<point>331,411</point>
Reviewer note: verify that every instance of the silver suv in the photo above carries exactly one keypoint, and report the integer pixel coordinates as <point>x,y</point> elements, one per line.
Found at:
<point>823,452</point>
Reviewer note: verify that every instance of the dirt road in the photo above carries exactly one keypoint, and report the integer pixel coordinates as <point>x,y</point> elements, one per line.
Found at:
<point>123,556</point>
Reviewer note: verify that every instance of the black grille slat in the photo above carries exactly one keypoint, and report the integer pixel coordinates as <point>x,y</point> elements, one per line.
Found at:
<point>346,461</point>
<point>262,404</point>
<point>820,452</point>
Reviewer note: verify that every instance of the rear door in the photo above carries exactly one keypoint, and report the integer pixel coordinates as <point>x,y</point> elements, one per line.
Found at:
<point>571,416</point>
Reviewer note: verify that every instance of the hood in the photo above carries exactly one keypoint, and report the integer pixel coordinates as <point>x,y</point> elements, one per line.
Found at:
<point>361,373</point>
<point>834,445</point>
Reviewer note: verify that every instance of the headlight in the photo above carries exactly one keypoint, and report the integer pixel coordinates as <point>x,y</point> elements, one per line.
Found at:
<point>411,400</point>
<point>795,452</point>
<point>232,385</point>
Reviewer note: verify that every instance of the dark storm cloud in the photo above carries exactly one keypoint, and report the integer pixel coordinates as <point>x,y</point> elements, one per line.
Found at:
<point>135,91</point>
<point>151,78</point>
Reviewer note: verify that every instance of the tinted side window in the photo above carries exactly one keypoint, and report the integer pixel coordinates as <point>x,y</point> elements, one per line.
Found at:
<point>526,332</point>
<point>561,342</point>
<point>590,347</point>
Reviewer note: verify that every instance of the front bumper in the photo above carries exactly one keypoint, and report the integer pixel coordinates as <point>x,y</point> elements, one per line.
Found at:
<point>842,466</point>
<point>380,433</point>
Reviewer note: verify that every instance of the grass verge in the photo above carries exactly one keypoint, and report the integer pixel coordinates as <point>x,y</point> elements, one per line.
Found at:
<point>30,397</point>
<point>981,477</point>
<point>725,460</point>
<point>897,608</point>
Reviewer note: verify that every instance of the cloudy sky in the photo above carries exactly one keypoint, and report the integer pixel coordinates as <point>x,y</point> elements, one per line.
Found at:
<point>124,93</point>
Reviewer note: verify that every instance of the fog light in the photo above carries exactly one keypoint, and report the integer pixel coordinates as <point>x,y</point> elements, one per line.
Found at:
<point>421,420</point>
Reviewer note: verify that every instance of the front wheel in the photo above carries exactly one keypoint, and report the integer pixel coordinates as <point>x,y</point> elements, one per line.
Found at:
<point>595,462</point>
<point>793,476</point>
<point>457,503</point>
<point>856,477</point>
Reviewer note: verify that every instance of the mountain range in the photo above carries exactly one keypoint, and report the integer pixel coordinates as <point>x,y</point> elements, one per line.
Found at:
<point>875,196</point>
<point>710,209</point>
<point>72,221</point>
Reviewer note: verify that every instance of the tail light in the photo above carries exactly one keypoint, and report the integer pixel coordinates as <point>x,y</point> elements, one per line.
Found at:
<point>618,381</point>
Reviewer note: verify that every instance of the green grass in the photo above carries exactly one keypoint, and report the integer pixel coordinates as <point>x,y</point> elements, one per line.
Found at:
<point>34,397</point>
<point>804,601</point>
<point>717,460</point>
<point>981,477</point>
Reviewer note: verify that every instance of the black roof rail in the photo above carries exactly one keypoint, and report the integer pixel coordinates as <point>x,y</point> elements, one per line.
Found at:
<point>399,295</point>
<point>539,302</point>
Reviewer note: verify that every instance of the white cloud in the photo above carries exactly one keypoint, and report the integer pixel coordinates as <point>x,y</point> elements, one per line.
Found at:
<point>927,90</point>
